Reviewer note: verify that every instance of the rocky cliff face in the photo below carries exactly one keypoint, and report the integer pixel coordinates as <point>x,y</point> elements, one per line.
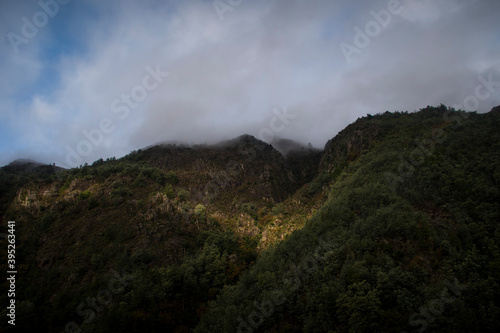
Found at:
<point>243,165</point>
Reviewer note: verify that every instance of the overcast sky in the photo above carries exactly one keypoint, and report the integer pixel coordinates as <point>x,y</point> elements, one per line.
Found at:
<point>81,80</point>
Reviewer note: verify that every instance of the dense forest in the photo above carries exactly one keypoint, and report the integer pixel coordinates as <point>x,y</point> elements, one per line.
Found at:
<point>392,227</point>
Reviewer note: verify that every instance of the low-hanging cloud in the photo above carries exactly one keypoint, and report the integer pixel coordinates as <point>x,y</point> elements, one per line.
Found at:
<point>227,76</point>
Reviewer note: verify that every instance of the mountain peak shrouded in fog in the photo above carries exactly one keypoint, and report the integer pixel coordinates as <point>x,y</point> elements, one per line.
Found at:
<point>24,161</point>
<point>86,80</point>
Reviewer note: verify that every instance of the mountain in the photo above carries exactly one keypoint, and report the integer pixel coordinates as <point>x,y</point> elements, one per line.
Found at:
<point>406,241</point>
<point>392,227</point>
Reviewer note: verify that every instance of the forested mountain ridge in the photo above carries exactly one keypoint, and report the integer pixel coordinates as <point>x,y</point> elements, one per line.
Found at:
<point>407,240</point>
<point>162,210</point>
<point>392,227</point>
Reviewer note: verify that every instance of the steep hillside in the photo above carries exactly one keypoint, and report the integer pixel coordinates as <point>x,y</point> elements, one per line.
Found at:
<point>156,213</point>
<point>408,239</point>
<point>393,227</point>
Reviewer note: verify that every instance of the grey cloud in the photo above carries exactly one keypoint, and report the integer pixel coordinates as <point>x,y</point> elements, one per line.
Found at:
<point>227,77</point>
